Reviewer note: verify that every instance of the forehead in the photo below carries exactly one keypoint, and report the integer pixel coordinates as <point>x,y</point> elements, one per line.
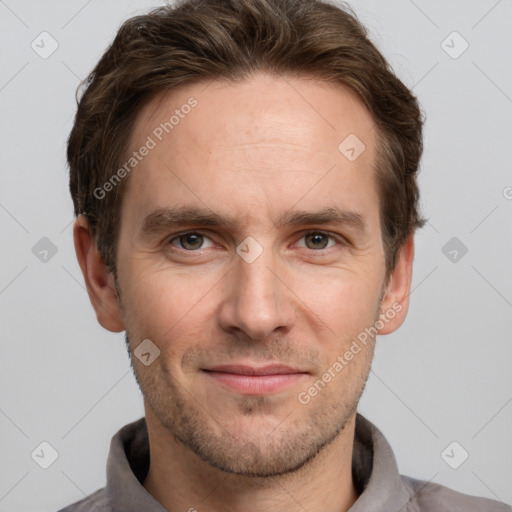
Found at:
<point>272,140</point>
<point>257,109</point>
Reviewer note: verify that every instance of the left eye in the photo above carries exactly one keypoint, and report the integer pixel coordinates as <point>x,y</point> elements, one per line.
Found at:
<point>190,241</point>
<point>317,240</point>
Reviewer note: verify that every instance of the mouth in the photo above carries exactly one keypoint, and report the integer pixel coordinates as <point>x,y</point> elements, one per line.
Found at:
<point>252,380</point>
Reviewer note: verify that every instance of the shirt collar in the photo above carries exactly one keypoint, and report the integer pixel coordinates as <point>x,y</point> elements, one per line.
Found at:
<point>374,470</point>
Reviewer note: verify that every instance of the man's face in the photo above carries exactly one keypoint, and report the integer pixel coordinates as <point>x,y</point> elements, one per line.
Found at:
<point>295,293</point>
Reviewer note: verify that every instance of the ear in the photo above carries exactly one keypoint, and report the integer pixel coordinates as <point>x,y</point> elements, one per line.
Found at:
<point>395,301</point>
<point>98,278</point>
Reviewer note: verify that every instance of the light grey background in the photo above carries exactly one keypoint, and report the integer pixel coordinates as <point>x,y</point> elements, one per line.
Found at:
<point>444,376</point>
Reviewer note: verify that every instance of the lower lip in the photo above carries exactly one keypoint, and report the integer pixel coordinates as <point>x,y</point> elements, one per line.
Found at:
<point>256,384</point>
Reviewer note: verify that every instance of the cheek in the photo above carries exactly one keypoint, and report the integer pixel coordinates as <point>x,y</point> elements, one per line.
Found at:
<point>343,300</point>
<point>349,309</point>
<point>162,306</point>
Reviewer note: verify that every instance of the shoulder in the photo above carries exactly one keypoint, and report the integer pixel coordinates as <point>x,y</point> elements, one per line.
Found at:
<point>95,502</point>
<point>431,497</point>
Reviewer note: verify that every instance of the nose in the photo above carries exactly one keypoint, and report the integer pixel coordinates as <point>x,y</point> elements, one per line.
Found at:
<point>257,299</point>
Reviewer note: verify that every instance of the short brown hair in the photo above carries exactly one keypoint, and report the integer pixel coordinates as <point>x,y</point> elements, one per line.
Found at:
<point>202,40</point>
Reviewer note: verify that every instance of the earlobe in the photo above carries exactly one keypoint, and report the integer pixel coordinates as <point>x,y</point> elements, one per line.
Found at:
<point>395,302</point>
<point>98,279</point>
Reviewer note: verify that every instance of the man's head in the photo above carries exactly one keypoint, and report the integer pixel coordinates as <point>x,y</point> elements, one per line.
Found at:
<point>246,174</point>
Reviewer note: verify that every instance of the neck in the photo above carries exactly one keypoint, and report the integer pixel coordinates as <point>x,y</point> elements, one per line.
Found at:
<point>179,480</point>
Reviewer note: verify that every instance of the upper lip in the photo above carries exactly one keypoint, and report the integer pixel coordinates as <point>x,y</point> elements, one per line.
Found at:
<point>242,369</point>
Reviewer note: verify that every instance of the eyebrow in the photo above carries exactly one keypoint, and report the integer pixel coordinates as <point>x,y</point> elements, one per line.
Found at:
<point>164,219</point>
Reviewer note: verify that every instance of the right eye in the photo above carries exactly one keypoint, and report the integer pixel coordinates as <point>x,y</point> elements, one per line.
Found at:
<point>190,241</point>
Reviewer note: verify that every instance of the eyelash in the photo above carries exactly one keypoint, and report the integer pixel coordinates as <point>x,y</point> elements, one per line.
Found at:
<point>338,239</point>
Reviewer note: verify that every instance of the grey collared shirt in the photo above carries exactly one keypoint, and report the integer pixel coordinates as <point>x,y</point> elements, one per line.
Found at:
<point>380,486</point>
